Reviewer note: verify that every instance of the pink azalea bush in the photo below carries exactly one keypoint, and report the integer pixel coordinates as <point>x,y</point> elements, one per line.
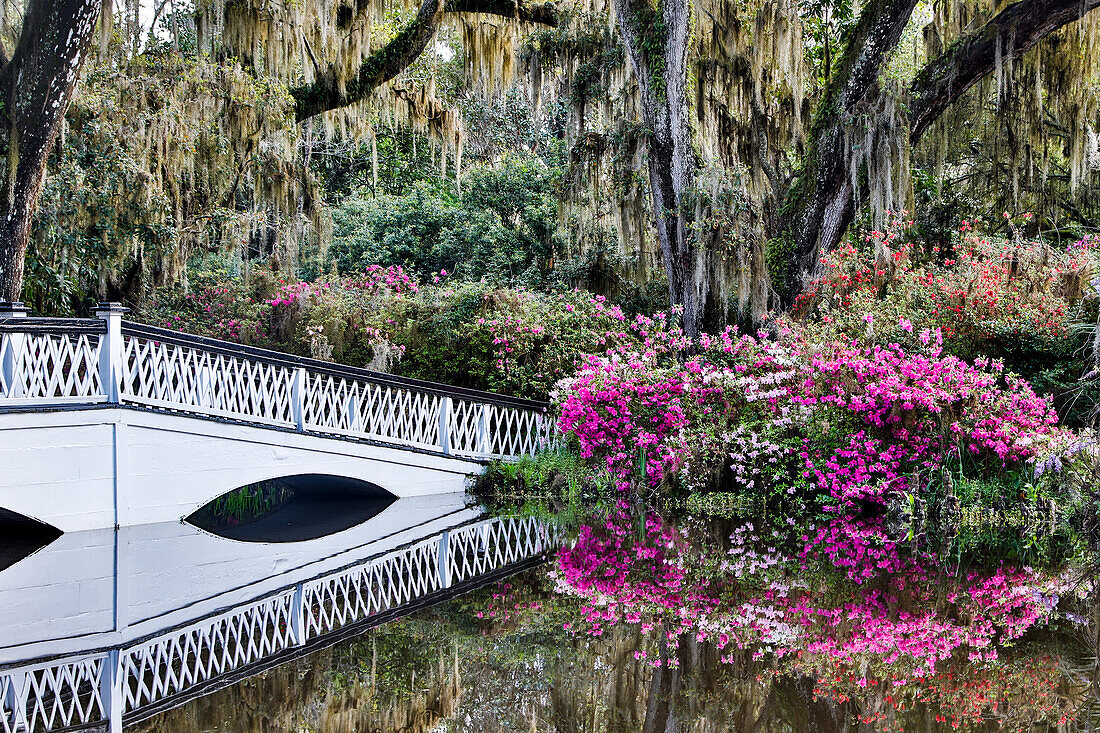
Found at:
<point>1008,297</point>
<point>878,414</point>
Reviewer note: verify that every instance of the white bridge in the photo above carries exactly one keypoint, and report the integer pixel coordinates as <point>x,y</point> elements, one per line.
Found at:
<point>108,423</point>
<point>111,432</point>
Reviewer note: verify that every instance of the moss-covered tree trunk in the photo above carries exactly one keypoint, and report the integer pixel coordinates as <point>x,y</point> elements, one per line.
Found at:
<point>819,205</point>
<point>656,37</point>
<point>36,86</point>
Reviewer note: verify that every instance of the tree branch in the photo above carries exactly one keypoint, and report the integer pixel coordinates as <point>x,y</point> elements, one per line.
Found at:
<point>1016,29</point>
<point>325,93</point>
<point>543,13</point>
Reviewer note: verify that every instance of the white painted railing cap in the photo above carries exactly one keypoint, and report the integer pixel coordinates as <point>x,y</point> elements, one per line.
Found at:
<point>110,307</point>
<point>12,309</point>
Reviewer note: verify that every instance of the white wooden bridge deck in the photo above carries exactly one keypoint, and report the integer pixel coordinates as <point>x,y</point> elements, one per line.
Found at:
<point>108,423</point>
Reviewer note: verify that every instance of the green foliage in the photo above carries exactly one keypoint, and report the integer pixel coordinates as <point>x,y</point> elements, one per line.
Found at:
<point>825,21</point>
<point>502,226</point>
<point>555,485</point>
<point>146,175</point>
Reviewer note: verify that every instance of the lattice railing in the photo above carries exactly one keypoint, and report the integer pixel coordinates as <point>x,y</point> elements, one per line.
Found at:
<point>476,549</point>
<point>518,432</point>
<point>189,379</point>
<point>149,674</point>
<point>53,695</point>
<point>170,664</point>
<point>362,591</point>
<point>58,361</point>
<point>358,407</point>
<point>49,360</point>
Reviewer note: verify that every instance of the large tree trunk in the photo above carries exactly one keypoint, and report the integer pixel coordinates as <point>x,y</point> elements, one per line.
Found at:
<point>819,204</point>
<point>36,86</point>
<point>657,43</point>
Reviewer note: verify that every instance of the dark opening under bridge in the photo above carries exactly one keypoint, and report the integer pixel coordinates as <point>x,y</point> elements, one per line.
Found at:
<point>113,431</point>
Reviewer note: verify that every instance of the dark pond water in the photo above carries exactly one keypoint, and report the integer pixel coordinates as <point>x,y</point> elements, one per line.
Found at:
<point>638,624</point>
<point>500,660</point>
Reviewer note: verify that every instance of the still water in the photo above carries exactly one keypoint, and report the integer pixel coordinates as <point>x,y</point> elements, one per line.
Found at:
<point>526,652</point>
<point>446,669</point>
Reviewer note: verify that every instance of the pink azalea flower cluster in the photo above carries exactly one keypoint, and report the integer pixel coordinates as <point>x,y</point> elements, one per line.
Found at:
<point>869,420</point>
<point>906,393</point>
<point>619,409</point>
<point>914,409</point>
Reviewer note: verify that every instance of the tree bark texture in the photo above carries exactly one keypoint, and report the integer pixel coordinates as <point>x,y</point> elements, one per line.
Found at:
<point>36,87</point>
<point>657,43</point>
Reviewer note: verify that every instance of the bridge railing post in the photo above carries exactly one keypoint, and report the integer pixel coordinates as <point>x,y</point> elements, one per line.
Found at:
<point>110,350</point>
<point>298,615</point>
<point>298,398</point>
<point>11,358</point>
<point>484,439</point>
<point>445,425</point>
<point>444,560</point>
<point>110,691</point>
<point>16,692</point>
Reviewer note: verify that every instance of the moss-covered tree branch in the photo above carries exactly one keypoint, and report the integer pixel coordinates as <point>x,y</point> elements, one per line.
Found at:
<point>1015,30</point>
<point>545,13</point>
<point>326,92</point>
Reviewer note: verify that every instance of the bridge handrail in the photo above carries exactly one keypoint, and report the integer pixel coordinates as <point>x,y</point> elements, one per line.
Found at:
<point>279,358</point>
<point>96,326</point>
<point>51,361</point>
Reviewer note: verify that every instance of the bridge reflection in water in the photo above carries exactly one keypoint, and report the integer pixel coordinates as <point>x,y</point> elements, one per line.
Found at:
<point>107,627</point>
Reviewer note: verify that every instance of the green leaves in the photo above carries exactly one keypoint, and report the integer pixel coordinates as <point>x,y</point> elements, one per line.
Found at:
<point>502,226</point>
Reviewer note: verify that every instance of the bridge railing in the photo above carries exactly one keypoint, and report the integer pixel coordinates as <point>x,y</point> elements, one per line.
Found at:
<point>47,361</point>
<point>147,676</point>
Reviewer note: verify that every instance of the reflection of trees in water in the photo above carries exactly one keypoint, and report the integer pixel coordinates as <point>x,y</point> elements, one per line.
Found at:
<point>441,671</point>
<point>700,693</point>
<point>358,686</point>
<point>1081,660</point>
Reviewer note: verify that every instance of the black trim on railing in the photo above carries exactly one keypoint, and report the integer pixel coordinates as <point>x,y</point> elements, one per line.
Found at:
<point>292,361</point>
<point>76,326</point>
